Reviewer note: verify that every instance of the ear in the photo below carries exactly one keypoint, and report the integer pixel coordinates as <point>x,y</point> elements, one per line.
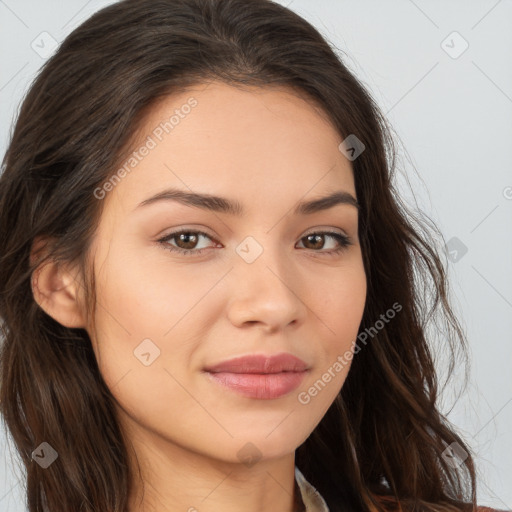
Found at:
<point>56,288</point>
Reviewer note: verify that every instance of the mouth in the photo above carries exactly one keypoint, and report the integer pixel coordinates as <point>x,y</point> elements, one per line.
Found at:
<point>259,376</point>
<point>264,386</point>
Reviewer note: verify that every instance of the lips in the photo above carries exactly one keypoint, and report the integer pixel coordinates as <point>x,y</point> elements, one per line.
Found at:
<point>260,364</point>
<point>259,376</point>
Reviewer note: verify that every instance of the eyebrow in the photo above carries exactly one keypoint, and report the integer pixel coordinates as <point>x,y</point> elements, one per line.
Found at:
<point>233,207</point>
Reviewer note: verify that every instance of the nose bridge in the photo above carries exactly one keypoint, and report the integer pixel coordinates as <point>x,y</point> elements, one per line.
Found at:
<point>262,256</point>
<point>263,289</point>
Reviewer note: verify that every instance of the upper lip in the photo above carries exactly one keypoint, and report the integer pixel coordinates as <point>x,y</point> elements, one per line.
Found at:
<point>259,363</point>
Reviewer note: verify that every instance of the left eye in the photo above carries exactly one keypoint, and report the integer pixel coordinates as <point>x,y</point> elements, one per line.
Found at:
<point>190,238</point>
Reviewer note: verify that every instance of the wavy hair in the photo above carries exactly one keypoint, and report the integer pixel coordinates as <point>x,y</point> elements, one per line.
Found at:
<point>384,434</point>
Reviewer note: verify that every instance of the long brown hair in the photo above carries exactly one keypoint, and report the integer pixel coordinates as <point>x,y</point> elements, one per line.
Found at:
<point>384,434</point>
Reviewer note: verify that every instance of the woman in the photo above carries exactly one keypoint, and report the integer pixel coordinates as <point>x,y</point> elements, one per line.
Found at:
<point>209,288</point>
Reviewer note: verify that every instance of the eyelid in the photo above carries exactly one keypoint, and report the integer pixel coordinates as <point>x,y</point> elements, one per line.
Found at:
<point>325,230</point>
<point>203,231</point>
<point>172,235</point>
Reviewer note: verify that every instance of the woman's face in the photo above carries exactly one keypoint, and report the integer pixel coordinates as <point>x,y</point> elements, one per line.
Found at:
<point>254,283</point>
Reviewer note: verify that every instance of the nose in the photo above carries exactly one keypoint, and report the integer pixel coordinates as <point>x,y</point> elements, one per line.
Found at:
<point>266,291</point>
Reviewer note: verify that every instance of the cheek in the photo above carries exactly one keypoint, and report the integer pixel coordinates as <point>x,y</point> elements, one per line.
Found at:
<point>342,303</point>
<point>143,296</point>
<point>141,314</point>
<point>145,293</point>
<point>347,306</point>
<point>340,310</point>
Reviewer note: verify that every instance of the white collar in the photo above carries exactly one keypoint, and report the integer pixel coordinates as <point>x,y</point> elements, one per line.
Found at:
<point>311,498</point>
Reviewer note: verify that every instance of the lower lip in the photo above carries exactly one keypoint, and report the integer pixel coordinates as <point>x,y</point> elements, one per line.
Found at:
<point>257,385</point>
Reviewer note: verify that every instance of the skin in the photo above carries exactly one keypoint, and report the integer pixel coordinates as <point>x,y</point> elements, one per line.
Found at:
<point>198,310</point>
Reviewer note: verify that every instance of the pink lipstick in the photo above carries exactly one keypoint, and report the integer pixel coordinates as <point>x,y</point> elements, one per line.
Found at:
<point>260,376</point>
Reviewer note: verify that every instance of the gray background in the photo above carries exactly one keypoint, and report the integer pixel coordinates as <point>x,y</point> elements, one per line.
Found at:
<point>451,109</point>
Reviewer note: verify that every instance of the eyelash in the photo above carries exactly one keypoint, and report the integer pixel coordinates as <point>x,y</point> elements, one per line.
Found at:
<point>343,240</point>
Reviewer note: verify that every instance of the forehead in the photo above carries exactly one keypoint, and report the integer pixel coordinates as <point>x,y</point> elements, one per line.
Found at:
<point>214,136</point>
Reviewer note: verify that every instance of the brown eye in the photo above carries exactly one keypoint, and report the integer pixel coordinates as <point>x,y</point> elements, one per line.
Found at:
<point>185,241</point>
<point>315,241</point>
